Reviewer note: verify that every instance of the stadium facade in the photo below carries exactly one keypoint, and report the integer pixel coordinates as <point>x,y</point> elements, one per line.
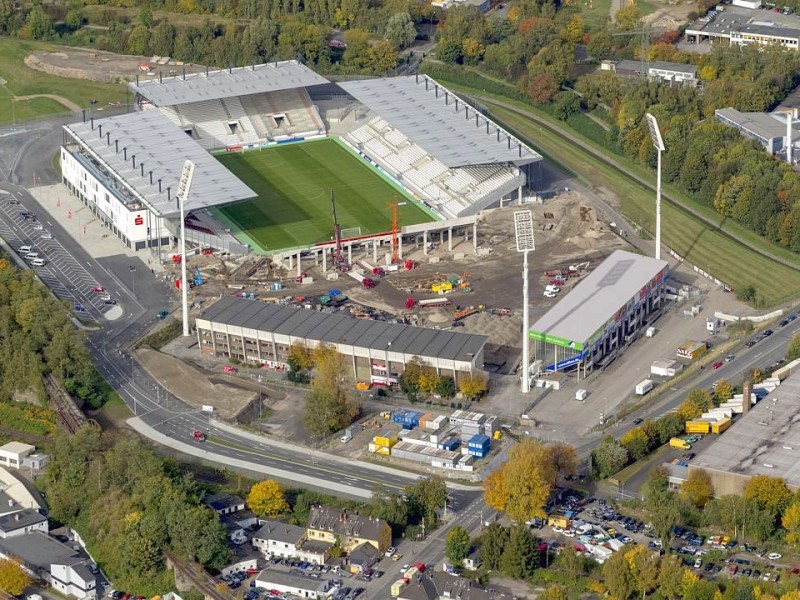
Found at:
<point>436,146</point>
<point>260,333</point>
<point>596,321</point>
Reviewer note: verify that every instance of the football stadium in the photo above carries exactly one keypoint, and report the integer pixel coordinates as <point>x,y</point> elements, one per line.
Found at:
<point>286,160</point>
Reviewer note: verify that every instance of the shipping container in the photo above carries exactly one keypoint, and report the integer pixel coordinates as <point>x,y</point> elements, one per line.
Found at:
<point>397,587</point>
<point>644,387</point>
<point>386,438</point>
<point>692,350</point>
<point>720,426</point>
<point>698,426</point>
<point>558,521</point>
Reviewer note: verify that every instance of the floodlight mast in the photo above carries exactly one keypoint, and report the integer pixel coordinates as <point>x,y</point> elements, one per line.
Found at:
<point>183,193</point>
<point>523,231</point>
<point>658,144</point>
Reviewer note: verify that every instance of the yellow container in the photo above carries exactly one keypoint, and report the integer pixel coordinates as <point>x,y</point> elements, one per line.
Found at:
<point>397,587</point>
<point>443,286</point>
<point>721,425</point>
<point>697,426</point>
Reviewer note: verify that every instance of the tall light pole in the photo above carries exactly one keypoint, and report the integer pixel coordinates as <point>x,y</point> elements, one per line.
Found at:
<point>183,193</point>
<point>658,144</point>
<point>523,230</point>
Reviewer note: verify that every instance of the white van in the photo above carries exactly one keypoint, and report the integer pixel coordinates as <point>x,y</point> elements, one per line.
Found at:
<point>24,249</point>
<point>552,288</point>
<point>38,262</point>
<point>31,255</point>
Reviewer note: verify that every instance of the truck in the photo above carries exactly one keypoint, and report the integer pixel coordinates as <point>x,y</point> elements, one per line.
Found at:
<point>679,443</point>
<point>644,387</point>
<point>581,395</point>
<point>377,271</point>
<point>397,587</point>
<point>433,302</point>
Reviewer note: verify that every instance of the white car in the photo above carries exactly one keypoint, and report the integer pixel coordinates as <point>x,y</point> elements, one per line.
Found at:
<point>558,529</point>
<point>46,236</point>
<point>550,294</point>
<point>698,563</point>
<point>774,556</point>
<point>390,552</point>
<point>569,533</point>
<point>38,228</point>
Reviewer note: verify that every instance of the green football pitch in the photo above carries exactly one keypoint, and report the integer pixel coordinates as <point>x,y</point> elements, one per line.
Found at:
<point>294,184</point>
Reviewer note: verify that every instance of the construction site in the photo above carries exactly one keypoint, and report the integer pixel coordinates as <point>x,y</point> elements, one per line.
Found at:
<point>473,285</point>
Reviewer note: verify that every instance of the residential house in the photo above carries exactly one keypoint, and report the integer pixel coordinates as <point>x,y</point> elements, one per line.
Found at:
<point>444,586</point>
<point>348,529</point>
<point>278,539</point>
<point>363,557</point>
<point>224,504</point>
<point>22,521</point>
<point>13,453</point>
<point>67,568</point>
<point>295,584</point>
<point>15,494</point>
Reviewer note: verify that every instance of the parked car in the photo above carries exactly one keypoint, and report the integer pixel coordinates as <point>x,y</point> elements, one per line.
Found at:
<point>390,552</point>
<point>774,556</point>
<point>162,314</point>
<point>229,369</point>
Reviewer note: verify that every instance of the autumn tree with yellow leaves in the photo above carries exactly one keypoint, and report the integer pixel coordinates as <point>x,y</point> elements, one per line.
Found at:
<point>13,578</point>
<point>266,499</point>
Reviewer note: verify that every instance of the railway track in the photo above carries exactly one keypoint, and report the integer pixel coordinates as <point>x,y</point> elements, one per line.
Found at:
<point>70,417</point>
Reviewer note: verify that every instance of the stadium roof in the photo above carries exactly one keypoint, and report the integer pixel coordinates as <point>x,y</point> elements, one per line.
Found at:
<point>226,83</point>
<point>762,442</point>
<point>596,299</point>
<point>441,123</point>
<point>134,144</point>
<point>340,329</point>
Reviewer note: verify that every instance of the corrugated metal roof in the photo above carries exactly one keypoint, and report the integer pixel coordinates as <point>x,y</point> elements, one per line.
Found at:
<point>226,83</point>
<point>437,121</point>
<point>152,143</point>
<point>596,299</point>
<point>342,329</point>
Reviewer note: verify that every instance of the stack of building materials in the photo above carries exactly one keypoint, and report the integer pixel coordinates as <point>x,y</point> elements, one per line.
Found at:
<point>478,445</point>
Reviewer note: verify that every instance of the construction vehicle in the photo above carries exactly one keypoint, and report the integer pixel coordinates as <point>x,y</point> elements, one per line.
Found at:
<point>301,277</point>
<point>332,299</point>
<point>363,386</point>
<point>198,277</point>
<point>377,271</point>
<point>410,302</point>
<point>395,231</point>
<point>368,283</point>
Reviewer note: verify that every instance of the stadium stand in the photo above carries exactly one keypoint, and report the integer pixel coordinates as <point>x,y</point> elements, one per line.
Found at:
<point>452,191</point>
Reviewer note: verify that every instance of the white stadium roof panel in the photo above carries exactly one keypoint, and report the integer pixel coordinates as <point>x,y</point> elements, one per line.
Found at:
<point>606,290</point>
<point>441,123</point>
<point>135,144</point>
<point>226,83</point>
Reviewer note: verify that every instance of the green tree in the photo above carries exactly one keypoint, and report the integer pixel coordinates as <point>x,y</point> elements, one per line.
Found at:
<point>163,38</point>
<point>768,493</point>
<point>521,555</point>
<point>138,40</point>
<point>554,592</point>
<point>389,507</point>
<point>670,578</point>
<point>383,57</point>
<point>146,16</point>
<point>662,505</point>
<point>328,407</point>
<point>636,443</point>
<point>457,545</point>
<point>609,457</point>
<point>266,499</point>
<point>74,19</point>
<point>723,391</point>
<point>445,387</point>
<point>400,30</point>
<point>572,563</point>
<point>565,105</point>
<point>357,54</point>
<point>426,498</point>
<point>493,543</point>
<point>38,25</point>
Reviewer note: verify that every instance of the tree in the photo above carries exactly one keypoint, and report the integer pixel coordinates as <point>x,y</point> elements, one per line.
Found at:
<point>457,546</point>
<point>400,30</point>
<point>565,105</point>
<point>542,88</point>
<point>473,385</point>
<point>618,578</point>
<point>609,457</point>
<point>791,523</point>
<point>670,578</point>
<point>38,25</point>
<point>146,16</point>
<point>793,351</point>
<point>74,19</point>
<point>389,507</point>
<point>521,555</point>
<point>644,569</point>
<point>689,409</point>
<point>266,499</point>
<point>493,543</point>
<point>769,493</point>
<point>163,40</point>
<point>563,458</point>
<point>661,504</point>
<point>554,592</point>
<point>523,487</point>
<point>138,40</point>
<point>356,55</point>
<point>383,57</point>
<point>300,357</point>
<point>426,498</point>
<point>445,387</point>
<point>329,408</point>
<point>573,564</point>
<point>449,51</point>
<point>723,391</point>
<point>697,489</point>
<point>13,578</point>
<point>636,443</point>
<point>472,50</point>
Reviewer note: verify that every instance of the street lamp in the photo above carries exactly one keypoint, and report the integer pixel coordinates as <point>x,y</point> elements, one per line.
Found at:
<point>132,270</point>
<point>183,193</point>
<point>386,361</point>
<point>523,231</point>
<point>658,144</point>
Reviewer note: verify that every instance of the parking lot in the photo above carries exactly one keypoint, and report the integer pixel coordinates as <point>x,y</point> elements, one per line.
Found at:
<point>57,268</point>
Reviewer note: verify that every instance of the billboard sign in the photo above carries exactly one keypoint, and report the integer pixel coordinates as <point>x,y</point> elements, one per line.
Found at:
<point>555,340</point>
<point>566,363</point>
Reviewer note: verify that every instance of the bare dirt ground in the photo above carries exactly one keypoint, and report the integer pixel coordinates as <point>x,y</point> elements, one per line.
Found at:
<point>106,67</point>
<point>193,386</point>
<point>671,16</point>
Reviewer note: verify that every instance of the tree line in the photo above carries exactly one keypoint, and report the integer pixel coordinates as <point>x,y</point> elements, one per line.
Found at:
<point>130,508</point>
<point>37,338</point>
<point>232,33</point>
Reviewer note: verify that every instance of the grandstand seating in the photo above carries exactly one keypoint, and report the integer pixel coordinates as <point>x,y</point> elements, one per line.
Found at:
<point>300,116</point>
<point>454,190</point>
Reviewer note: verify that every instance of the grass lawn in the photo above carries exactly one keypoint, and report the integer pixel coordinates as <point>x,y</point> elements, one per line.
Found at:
<point>24,81</point>
<point>293,183</point>
<point>718,254</point>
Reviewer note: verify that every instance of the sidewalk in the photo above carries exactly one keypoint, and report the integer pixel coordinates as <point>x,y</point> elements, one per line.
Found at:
<point>83,226</point>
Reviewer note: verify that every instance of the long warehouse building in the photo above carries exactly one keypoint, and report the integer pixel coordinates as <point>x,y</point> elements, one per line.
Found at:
<point>256,332</point>
<point>603,315</point>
